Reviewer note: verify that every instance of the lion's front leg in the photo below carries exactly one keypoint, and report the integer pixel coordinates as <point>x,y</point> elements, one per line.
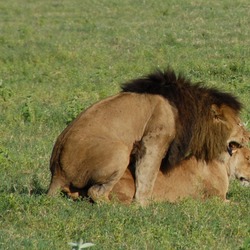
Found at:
<point>148,166</point>
<point>146,173</point>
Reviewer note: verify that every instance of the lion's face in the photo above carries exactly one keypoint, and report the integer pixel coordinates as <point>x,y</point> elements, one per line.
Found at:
<point>240,166</point>
<point>238,135</point>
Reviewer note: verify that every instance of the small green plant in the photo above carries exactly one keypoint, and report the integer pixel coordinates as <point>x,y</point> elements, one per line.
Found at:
<point>80,245</point>
<point>76,104</point>
<point>4,156</point>
<point>5,92</point>
<point>73,108</point>
<point>246,244</point>
<point>27,112</point>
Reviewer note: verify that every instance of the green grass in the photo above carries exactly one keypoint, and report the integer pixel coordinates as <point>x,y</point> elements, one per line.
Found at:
<point>57,58</point>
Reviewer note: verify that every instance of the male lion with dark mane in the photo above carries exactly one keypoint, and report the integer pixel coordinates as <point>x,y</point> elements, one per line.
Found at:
<point>163,115</point>
<point>190,178</point>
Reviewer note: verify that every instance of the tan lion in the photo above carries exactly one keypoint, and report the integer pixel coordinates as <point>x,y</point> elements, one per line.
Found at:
<point>191,178</point>
<point>164,115</point>
<point>239,166</point>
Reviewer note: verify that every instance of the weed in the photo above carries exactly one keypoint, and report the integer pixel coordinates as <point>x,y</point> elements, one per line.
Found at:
<point>80,245</point>
<point>27,112</point>
<point>5,92</point>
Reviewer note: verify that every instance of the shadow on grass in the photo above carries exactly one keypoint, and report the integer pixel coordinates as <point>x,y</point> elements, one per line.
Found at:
<point>32,187</point>
<point>36,187</point>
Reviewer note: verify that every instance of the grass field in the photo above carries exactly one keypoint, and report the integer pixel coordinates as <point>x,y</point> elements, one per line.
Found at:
<point>57,58</point>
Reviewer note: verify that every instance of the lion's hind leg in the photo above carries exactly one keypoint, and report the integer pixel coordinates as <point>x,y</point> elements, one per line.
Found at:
<point>112,171</point>
<point>100,192</point>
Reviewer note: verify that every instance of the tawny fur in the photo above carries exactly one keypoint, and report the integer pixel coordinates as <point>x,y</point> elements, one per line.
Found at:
<point>94,150</point>
<point>198,107</point>
<point>239,166</point>
<point>162,114</point>
<point>191,178</point>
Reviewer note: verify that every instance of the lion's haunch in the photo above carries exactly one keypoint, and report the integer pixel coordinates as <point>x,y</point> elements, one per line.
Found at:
<point>95,149</point>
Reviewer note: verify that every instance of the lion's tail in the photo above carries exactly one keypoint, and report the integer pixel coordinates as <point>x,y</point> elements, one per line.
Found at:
<point>57,180</point>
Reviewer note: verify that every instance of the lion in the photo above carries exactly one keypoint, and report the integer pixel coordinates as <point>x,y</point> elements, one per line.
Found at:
<point>163,114</point>
<point>239,166</point>
<point>191,178</point>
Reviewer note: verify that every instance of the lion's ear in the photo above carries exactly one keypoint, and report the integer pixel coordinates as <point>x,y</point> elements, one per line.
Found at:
<point>217,113</point>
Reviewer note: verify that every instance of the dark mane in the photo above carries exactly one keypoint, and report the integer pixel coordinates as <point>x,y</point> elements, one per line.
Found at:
<point>196,134</point>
